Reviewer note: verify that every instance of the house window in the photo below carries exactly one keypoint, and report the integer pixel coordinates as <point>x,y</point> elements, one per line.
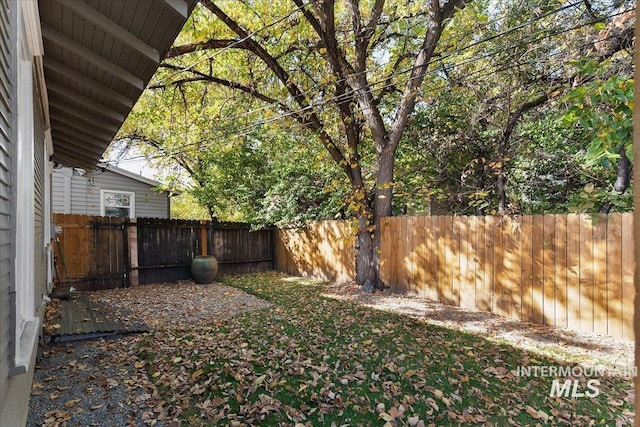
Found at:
<point>117,203</point>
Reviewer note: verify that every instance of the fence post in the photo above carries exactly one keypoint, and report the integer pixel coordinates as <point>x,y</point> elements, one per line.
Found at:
<point>132,242</point>
<point>203,238</point>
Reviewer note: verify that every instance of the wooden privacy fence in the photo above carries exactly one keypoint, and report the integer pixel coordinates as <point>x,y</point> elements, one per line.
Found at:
<point>166,248</point>
<point>107,252</point>
<point>565,271</point>
<point>323,249</point>
<point>91,252</point>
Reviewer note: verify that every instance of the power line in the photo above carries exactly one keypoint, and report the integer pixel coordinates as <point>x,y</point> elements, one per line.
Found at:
<point>244,131</point>
<point>317,87</point>
<point>478,75</point>
<point>243,39</point>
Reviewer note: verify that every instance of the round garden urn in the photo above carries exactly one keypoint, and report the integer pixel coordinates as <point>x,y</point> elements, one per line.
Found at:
<point>204,269</point>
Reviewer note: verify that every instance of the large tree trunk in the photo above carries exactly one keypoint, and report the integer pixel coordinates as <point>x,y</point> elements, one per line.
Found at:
<point>369,240</point>
<point>623,178</point>
<point>365,251</point>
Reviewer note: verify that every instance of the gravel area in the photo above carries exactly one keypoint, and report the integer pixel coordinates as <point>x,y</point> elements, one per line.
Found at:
<point>96,383</point>
<point>179,304</point>
<point>85,384</point>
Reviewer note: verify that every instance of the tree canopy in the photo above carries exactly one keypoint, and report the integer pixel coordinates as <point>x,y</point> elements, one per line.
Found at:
<point>287,111</point>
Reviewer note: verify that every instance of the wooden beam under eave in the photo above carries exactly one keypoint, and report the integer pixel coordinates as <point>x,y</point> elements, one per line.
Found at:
<point>68,124</point>
<point>53,65</point>
<point>66,143</point>
<point>73,46</point>
<point>87,102</point>
<point>62,128</point>
<point>111,27</point>
<point>63,133</point>
<point>178,7</point>
<point>75,158</point>
<point>64,159</point>
<point>89,118</point>
<point>62,141</point>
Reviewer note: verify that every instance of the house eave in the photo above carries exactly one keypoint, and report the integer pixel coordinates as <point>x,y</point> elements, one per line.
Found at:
<point>98,58</point>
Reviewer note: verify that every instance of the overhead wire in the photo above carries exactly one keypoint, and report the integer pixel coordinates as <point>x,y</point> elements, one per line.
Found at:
<point>315,88</point>
<point>247,37</point>
<point>244,131</point>
<point>478,75</point>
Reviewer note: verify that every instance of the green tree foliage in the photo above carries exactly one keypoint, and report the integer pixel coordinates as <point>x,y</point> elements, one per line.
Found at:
<point>282,112</point>
<point>185,206</point>
<point>601,112</point>
<point>510,127</point>
<point>348,74</point>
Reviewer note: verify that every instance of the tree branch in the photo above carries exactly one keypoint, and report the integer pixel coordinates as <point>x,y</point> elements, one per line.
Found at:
<point>434,31</point>
<point>311,119</point>
<point>209,44</point>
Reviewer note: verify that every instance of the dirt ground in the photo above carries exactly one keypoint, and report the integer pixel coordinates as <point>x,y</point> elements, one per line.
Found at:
<point>93,383</point>
<point>585,348</point>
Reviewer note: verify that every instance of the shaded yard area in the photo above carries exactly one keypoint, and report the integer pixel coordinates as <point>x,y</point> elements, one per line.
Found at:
<point>218,356</point>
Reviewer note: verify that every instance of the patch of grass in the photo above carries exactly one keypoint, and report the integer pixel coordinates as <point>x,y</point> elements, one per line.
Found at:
<point>317,361</point>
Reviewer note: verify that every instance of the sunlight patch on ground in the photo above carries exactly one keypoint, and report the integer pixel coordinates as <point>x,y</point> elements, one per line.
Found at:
<point>570,346</point>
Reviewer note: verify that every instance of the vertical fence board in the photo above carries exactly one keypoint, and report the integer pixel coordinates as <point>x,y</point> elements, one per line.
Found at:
<point>586,273</point>
<point>537,250</point>
<point>401,255</point>
<point>573,271</point>
<point>614,276</point>
<point>560,271</point>
<point>414,259</point>
<point>455,261</point>
<point>420,257</point>
<point>600,275</point>
<point>628,289</point>
<point>489,262</point>
<point>427,256</point>
<point>526,268</point>
<point>385,251</point>
<point>444,264</point>
<point>472,257</point>
<point>430,229</point>
<point>394,248</point>
<point>512,266</point>
<point>494,233</point>
<point>548,273</point>
<point>466,300</point>
<point>480,297</point>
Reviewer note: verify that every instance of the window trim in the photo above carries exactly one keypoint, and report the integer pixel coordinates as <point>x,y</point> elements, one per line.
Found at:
<point>23,299</point>
<point>132,199</point>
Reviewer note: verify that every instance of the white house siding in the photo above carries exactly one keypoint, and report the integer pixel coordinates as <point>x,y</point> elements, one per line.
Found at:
<point>15,381</point>
<point>59,204</point>
<point>84,193</point>
<point>40,214</point>
<point>6,246</point>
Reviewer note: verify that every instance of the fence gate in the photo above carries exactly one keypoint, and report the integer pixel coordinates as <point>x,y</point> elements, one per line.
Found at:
<point>91,252</point>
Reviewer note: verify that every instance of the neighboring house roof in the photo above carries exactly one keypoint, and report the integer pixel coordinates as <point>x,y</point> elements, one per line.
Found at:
<point>131,175</point>
<point>98,58</point>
